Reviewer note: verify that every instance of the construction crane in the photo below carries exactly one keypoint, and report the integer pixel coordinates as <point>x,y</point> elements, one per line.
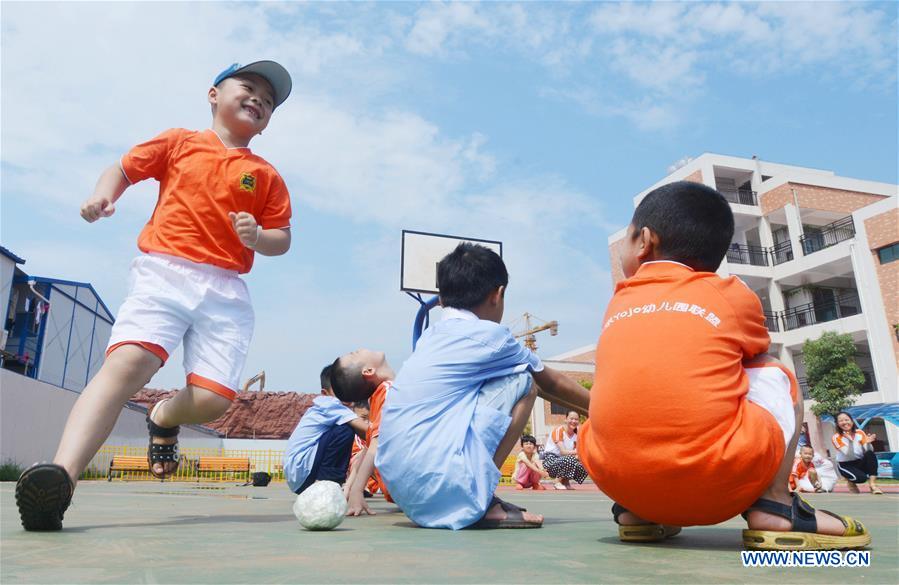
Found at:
<point>260,377</point>
<point>530,331</point>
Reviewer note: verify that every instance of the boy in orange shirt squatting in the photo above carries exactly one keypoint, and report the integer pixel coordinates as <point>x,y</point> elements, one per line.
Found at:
<point>685,392</point>
<point>219,204</point>
<point>804,476</point>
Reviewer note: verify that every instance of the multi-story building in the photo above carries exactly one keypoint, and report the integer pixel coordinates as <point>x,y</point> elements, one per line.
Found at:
<point>822,253</point>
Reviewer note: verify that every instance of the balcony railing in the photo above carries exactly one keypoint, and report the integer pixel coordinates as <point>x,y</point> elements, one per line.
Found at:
<point>821,311</point>
<point>870,384</point>
<point>782,252</point>
<point>748,254</point>
<point>760,255</point>
<point>741,196</point>
<point>772,321</point>
<point>829,235</point>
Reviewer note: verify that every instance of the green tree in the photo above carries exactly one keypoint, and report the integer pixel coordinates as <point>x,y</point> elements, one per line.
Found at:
<point>834,379</point>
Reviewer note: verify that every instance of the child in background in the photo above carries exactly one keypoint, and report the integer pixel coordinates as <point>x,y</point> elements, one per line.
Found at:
<point>320,445</point>
<point>364,374</point>
<point>363,411</point>
<point>219,204</point>
<point>682,351</point>
<point>528,467</point>
<point>804,477</point>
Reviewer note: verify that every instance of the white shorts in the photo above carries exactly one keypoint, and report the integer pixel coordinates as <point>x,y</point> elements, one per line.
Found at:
<point>774,389</point>
<point>171,299</point>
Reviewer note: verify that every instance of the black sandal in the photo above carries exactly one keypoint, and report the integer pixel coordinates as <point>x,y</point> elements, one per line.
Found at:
<point>641,532</point>
<point>43,494</point>
<point>159,453</point>
<point>804,534</point>
<point>514,517</point>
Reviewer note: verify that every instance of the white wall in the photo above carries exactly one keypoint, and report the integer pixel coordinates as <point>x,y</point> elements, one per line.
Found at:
<point>33,414</point>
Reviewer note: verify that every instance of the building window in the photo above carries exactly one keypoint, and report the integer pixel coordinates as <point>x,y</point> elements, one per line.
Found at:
<point>888,254</point>
<point>555,409</point>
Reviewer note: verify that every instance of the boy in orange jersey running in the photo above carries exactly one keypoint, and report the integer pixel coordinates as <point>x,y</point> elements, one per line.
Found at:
<point>686,397</point>
<point>218,205</point>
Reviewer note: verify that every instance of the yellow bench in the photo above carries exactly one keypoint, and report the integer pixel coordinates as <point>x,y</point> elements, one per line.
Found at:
<point>507,470</point>
<point>223,465</point>
<point>127,463</point>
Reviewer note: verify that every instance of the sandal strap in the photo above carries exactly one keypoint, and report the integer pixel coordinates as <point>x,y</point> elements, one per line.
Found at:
<point>506,506</point>
<point>158,431</point>
<point>617,510</point>
<point>853,526</point>
<point>513,512</point>
<point>800,514</point>
<point>162,453</point>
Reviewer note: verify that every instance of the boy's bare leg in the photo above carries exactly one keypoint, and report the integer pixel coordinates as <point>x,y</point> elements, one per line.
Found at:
<point>779,491</point>
<point>190,405</point>
<point>520,414</point>
<point>813,479</point>
<point>126,370</point>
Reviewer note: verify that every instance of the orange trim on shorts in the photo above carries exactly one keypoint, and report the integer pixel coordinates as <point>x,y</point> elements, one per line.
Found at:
<point>156,350</point>
<point>212,386</point>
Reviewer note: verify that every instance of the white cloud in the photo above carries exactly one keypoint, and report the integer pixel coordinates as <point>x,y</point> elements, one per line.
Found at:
<point>679,163</point>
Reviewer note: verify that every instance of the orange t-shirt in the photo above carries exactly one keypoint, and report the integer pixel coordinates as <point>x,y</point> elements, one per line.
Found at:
<point>375,404</point>
<point>668,408</point>
<point>800,470</point>
<point>200,182</point>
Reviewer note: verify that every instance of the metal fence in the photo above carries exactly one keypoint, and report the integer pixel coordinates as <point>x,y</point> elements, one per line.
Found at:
<point>821,311</point>
<point>270,461</point>
<point>828,235</point>
<point>740,196</point>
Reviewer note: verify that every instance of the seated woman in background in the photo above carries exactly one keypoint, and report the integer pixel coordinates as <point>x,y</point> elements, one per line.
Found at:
<point>560,454</point>
<point>855,456</point>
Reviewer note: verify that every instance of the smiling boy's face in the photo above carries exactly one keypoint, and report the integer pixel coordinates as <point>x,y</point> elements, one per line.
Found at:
<point>807,454</point>
<point>243,103</point>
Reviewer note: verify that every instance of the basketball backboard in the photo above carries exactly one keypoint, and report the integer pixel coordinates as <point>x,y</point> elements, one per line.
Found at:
<point>422,251</point>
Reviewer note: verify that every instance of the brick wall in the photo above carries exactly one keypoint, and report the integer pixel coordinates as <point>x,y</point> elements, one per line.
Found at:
<point>695,177</point>
<point>883,230</point>
<point>615,261</point>
<point>820,198</point>
<point>583,358</point>
<point>554,420</point>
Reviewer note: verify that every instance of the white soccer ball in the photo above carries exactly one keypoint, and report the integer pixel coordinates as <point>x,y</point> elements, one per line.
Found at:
<point>321,507</point>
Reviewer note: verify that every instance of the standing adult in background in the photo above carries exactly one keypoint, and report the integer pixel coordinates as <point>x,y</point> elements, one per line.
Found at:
<point>560,454</point>
<point>855,456</point>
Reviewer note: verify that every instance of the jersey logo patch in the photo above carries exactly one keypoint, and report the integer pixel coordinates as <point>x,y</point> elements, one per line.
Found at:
<point>248,182</point>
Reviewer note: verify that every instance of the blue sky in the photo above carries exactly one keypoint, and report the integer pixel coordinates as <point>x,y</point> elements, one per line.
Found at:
<point>534,124</point>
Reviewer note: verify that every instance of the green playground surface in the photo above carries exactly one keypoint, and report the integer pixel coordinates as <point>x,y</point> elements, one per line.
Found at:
<point>148,532</point>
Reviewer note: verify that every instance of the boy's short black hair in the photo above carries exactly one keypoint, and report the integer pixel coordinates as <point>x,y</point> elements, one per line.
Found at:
<point>325,377</point>
<point>694,223</point>
<point>362,404</point>
<point>528,439</point>
<point>801,447</point>
<point>468,274</point>
<point>347,382</point>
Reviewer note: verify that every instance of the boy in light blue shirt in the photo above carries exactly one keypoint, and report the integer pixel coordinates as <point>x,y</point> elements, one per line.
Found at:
<point>461,401</point>
<point>320,446</point>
